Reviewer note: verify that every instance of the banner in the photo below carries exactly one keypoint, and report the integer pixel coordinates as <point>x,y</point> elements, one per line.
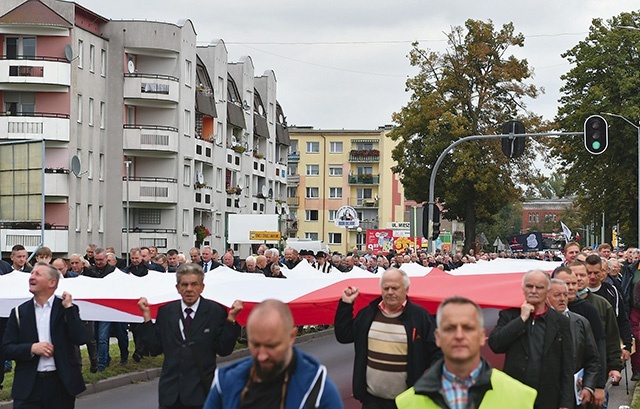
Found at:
<point>526,242</point>
<point>380,240</point>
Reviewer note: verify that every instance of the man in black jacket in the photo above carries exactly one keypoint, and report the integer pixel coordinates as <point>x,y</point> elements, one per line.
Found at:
<point>382,370</point>
<point>190,332</point>
<point>537,343</point>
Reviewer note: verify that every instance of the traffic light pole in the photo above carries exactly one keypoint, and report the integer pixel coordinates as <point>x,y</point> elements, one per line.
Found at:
<point>432,179</point>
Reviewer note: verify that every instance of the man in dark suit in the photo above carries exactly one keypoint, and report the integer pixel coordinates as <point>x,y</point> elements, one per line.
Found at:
<point>537,343</point>
<point>19,259</point>
<point>207,262</point>
<point>190,332</point>
<point>42,336</point>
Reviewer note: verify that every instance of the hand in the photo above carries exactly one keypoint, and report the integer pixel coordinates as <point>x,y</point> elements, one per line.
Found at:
<point>43,349</point>
<point>236,308</point>
<point>625,355</point>
<point>525,311</point>
<point>67,300</point>
<point>585,396</point>
<point>615,375</point>
<point>143,304</point>
<point>598,398</point>
<point>350,294</point>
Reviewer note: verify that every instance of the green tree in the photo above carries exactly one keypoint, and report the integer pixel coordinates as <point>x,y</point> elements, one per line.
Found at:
<point>604,78</point>
<point>507,222</point>
<point>470,89</point>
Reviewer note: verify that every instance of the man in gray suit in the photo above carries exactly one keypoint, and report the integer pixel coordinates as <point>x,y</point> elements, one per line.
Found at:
<point>190,332</point>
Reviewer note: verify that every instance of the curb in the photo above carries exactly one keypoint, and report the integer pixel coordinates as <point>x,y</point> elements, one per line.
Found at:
<point>153,373</point>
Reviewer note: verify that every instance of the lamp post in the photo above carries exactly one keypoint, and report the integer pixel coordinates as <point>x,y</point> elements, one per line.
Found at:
<point>637,129</point>
<point>127,163</point>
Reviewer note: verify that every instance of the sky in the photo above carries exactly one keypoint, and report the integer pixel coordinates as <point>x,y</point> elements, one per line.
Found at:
<point>342,64</point>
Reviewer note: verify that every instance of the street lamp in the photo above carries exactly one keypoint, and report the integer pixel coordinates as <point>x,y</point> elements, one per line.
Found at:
<point>638,129</point>
<point>127,163</point>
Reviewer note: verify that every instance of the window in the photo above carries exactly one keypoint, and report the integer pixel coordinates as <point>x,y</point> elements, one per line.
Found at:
<point>187,73</point>
<point>187,122</point>
<point>270,151</point>
<point>335,238</point>
<point>220,89</point>
<point>103,63</point>
<point>332,215</point>
<point>365,170</point>
<point>78,217</point>
<point>102,112</point>
<point>247,182</point>
<point>335,193</point>
<point>365,146</point>
<point>311,215</point>
<point>219,180</point>
<point>186,178</point>
<point>293,148</point>
<point>100,219</point>
<point>335,170</point>
<point>16,103</point>
<point>101,167</point>
<point>313,170</point>
<point>218,227</point>
<point>80,55</point>
<point>313,147</point>
<point>292,169</point>
<point>292,191</point>
<point>150,216</point>
<point>20,47</point>
<point>219,133</point>
<point>89,217</point>
<point>313,193</point>
<point>335,147</point>
<point>79,103</point>
<point>311,236</point>
<point>90,170</point>
<point>92,58</point>
<point>185,222</point>
<point>90,111</point>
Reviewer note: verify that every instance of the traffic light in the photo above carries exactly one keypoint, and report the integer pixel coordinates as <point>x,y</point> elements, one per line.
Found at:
<point>596,134</point>
<point>431,228</point>
<point>435,232</point>
<point>513,147</point>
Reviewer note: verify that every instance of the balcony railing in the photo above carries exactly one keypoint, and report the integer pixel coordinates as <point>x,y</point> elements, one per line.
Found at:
<point>150,137</point>
<point>293,180</point>
<point>363,202</point>
<point>28,235</point>
<point>156,87</point>
<point>151,189</point>
<point>364,179</point>
<point>294,157</point>
<point>368,156</point>
<point>293,201</point>
<point>35,125</point>
<point>36,73</point>
<point>141,237</point>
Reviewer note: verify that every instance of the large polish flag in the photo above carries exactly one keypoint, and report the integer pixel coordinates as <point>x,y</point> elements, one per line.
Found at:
<point>312,296</point>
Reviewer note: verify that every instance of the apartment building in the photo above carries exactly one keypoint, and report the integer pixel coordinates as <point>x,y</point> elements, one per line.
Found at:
<point>146,135</point>
<point>329,169</point>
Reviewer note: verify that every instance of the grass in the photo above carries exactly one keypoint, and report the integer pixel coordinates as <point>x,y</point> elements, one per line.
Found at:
<point>114,369</point>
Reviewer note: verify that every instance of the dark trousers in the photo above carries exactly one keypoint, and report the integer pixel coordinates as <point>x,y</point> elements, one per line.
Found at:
<point>47,393</point>
<point>92,345</point>
<point>3,326</point>
<point>374,402</point>
<point>179,405</point>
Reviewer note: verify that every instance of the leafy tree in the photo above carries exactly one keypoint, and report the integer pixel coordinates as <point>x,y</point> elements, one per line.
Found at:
<point>470,89</point>
<point>506,222</point>
<point>604,78</point>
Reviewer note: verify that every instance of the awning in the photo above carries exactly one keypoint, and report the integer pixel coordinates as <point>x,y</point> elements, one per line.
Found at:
<point>235,115</point>
<point>282,135</point>
<point>260,127</point>
<point>205,104</point>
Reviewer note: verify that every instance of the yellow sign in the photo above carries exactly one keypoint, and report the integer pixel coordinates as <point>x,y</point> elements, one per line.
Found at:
<point>264,235</point>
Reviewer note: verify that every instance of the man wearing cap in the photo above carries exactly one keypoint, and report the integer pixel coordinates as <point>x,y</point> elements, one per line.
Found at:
<point>321,263</point>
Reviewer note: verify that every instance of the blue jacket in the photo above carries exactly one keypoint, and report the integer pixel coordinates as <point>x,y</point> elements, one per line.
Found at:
<point>309,379</point>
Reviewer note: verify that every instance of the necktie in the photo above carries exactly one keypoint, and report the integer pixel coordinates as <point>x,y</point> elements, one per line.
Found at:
<point>206,267</point>
<point>188,319</point>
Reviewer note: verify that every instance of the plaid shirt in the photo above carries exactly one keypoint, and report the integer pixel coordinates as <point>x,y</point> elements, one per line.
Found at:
<point>456,390</point>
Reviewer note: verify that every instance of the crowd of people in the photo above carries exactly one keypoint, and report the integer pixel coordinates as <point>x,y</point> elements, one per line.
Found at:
<point>580,319</point>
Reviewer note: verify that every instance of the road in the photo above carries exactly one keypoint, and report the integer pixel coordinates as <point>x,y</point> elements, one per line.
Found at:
<point>338,359</point>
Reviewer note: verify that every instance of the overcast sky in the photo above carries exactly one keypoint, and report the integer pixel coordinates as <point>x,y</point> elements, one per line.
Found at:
<point>342,63</point>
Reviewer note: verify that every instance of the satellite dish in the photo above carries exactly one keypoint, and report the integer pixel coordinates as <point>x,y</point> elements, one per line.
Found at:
<point>285,207</point>
<point>68,52</point>
<point>199,177</point>
<point>278,208</point>
<point>270,193</point>
<point>131,67</point>
<point>233,140</point>
<point>75,166</point>
<point>265,191</point>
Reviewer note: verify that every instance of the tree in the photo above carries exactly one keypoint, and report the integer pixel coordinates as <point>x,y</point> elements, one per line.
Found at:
<point>506,222</point>
<point>470,89</point>
<point>604,78</point>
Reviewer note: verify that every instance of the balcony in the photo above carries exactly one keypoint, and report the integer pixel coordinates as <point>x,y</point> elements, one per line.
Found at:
<point>364,156</point>
<point>294,157</point>
<point>36,125</point>
<point>160,238</point>
<point>151,89</point>
<point>150,138</point>
<point>151,190</point>
<point>363,202</point>
<point>364,179</point>
<point>234,158</point>
<point>259,166</point>
<point>56,185</point>
<point>293,180</point>
<point>203,195</point>
<point>293,201</point>
<point>36,74</point>
<point>28,234</point>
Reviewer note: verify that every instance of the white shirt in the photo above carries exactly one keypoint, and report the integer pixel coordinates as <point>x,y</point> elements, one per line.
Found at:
<point>43,324</point>
<point>184,306</point>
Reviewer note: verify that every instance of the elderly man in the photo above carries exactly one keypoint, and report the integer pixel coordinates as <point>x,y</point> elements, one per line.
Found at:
<point>228,261</point>
<point>537,343</point>
<point>194,255</point>
<point>322,264</point>
<point>463,378</point>
<point>585,351</point>
<point>43,336</point>
<point>250,266</point>
<point>277,375</point>
<point>190,332</point>
<point>291,258</point>
<point>207,262</point>
<point>393,338</point>
<point>261,263</point>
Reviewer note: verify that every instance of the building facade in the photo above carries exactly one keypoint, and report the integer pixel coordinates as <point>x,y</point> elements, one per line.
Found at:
<point>329,169</point>
<point>145,134</point>
<point>536,213</point>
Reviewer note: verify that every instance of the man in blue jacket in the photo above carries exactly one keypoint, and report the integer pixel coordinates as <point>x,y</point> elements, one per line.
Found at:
<point>277,375</point>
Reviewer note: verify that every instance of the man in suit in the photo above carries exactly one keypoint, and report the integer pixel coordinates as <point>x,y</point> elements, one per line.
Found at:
<point>537,343</point>
<point>19,259</point>
<point>190,332</point>
<point>207,261</point>
<point>43,337</point>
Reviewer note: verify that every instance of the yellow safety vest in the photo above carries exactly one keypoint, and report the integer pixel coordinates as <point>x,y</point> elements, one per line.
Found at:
<point>506,393</point>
